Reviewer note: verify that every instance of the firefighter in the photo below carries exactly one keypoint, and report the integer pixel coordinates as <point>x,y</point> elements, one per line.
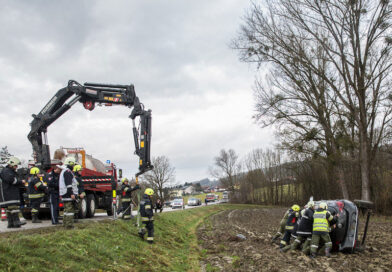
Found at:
<point>68,187</point>
<point>321,228</point>
<point>126,198</point>
<point>158,205</point>
<point>36,193</point>
<point>9,192</point>
<point>304,231</point>
<point>146,211</point>
<point>290,226</point>
<point>54,197</point>
<point>282,226</point>
<point>77,169</point>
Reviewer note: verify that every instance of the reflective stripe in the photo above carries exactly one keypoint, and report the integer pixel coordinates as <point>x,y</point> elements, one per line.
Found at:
<point>283,242</point>
<point>314,246</point>
<point>147,219</point>
<point>15,181</point>
<point>68,214</point>
<point>67,199</point>
<point>298,241</point>
<point>15,211</point>
<point>36,195</point>
<point>320,222</point>
<point>150,238</point>
<point>304,216</point>
<point>10,202</point>
<point>148,207</point>
<point>127,216</point>
<point>304,232</point>
<point>69,186</point>
<point>34,210</point>
<point>289,227</point>
<point>38,184</point>
<point>125,199</point>
<point>309,239</point>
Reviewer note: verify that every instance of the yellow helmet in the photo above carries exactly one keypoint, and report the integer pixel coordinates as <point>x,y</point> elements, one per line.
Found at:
<point>323,205</point>
<point>124,180</point>
<point>295,208</point>
<point>77,168</point>
<point>149,191</point>
<point>70,161</point>
<point>34,171</point>
<point>13,161</point>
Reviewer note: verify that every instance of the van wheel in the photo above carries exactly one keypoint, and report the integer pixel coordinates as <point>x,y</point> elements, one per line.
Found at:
<point>90,206</point>
<point>83,208</point>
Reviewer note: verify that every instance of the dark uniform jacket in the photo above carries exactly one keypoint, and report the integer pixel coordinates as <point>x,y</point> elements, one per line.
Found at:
<point>305,225</point>
<point>146,208</point>
<point>53,183</point>
<point>80,183</point>
<point>126,192</point>
<point>9,188</point>
<point>292,220</point>
<point>36,189</point>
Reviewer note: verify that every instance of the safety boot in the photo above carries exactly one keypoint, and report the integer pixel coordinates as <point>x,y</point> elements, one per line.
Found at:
<point>328,252</point>
<point>313,255</point>
<point>35,219</point>
<point>141,233</point>
<point>10,220</point>
<point>17,223</point>
<point>276,237</point>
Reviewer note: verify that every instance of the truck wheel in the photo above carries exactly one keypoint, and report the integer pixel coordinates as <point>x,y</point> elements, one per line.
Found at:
<point>83,208</point>
<point>90,206</point>
<point>109,210</point>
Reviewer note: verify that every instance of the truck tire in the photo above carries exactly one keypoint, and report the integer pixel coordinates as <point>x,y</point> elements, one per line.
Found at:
<point>83,208</point>
<point>91,204</point>
<point>109,210</point>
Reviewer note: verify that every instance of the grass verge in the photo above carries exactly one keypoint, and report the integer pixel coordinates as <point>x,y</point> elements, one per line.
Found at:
<point>109,245</point>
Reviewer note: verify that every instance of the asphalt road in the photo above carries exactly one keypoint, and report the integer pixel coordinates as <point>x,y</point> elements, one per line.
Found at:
<point>97,217</point>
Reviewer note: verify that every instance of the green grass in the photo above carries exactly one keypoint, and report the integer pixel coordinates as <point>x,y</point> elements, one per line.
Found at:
<point>109,245</point>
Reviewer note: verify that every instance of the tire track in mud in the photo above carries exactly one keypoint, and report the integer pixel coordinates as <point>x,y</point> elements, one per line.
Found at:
<point>224,251</point>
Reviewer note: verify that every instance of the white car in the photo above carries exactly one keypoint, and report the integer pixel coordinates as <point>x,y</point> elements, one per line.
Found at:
<point>178,203</point>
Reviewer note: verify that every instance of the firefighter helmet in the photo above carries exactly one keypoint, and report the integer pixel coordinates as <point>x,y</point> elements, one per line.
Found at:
<point>323,205</point>
<point>34,171</point>
<point>295,208</point>
<point>149,191</point>
<point>310,204</point>
<point>124,180</point>
<point>70,161</point>
<point>77,168</point>
<point>13,161</point>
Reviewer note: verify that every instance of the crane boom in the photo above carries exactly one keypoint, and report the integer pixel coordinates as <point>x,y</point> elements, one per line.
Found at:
<point>89,94</point>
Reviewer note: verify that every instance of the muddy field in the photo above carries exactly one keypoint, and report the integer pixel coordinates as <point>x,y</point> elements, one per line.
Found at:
<point>224,251</point>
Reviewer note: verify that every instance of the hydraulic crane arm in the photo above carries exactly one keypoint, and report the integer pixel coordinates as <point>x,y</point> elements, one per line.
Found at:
<point>89,94</point>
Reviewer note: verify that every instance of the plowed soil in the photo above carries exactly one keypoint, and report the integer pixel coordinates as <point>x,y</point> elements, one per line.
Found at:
<point>223,250</point>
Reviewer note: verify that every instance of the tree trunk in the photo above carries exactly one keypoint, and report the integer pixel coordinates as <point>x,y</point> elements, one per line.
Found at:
<point>342,182</point>
<point>364,165</point>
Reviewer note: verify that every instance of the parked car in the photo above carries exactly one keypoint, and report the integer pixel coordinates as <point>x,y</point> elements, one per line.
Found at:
<point>225,197</point>
<point>194,202</point>
<point>178,203</point>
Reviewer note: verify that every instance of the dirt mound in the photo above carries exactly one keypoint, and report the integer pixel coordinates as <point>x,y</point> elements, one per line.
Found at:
<point>239,240</point>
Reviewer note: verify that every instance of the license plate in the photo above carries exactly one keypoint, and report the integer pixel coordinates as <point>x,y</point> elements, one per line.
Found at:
<point>43,205</point>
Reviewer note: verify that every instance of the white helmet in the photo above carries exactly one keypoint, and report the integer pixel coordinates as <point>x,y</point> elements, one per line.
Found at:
<point>70,161</point>
<point>310,204</point>
<point>323,205</point>
<point>13,161</point>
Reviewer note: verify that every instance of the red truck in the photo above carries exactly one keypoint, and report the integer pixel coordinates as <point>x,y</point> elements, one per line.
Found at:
<point>99,181</point>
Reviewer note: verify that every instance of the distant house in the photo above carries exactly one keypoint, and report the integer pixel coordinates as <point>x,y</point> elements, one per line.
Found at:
<point>189,190</point>
<point>177,192</point>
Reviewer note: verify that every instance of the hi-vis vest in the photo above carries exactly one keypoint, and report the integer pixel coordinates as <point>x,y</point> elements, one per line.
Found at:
<point>320,222</point>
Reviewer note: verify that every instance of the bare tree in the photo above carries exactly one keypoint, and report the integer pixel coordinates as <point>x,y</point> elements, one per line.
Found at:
<point>226,168</point>
<point>4,155</point>
<point>161,176</point>
<point>333,59</point>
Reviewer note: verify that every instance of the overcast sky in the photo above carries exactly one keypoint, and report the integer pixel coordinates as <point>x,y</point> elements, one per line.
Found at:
<point>175,52</point>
